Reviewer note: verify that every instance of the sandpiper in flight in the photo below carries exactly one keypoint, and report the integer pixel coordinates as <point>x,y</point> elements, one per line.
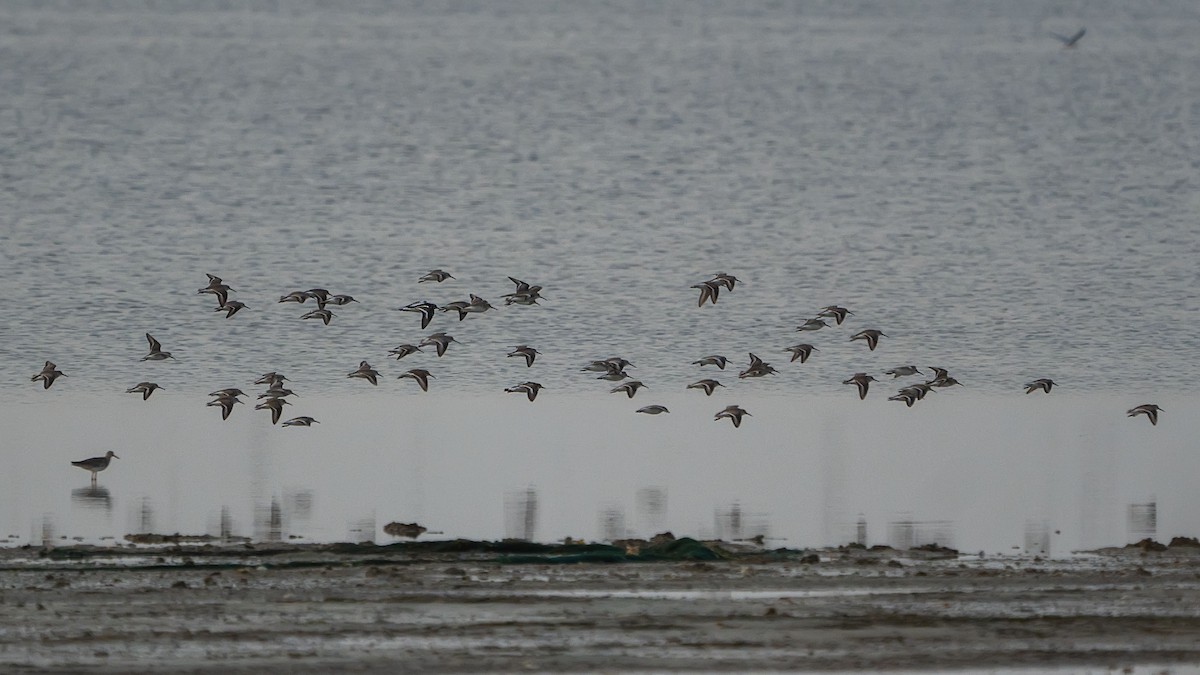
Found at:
<point>48,375</point>
<point>862,381</point>
<point>734,414</point>
<point>156,350</point>
<point>143,388</point>
<point>1148,409</point>
<point>529,353</point>
<point>420,375</point>
<point>530,389</point>
<point>1044,383</point>
<point>707,385</point>
<point>870,335</point>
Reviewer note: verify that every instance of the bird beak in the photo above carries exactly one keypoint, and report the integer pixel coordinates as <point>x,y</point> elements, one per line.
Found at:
<point>116,457</point>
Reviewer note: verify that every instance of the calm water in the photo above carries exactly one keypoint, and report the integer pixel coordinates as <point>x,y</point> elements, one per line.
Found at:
<point>996,204</point>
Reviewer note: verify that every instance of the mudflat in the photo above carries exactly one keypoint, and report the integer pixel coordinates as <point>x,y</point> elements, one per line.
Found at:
<point>478,607</point>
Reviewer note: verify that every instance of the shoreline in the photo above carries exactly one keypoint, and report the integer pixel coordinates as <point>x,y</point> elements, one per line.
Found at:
<point>462,606</point>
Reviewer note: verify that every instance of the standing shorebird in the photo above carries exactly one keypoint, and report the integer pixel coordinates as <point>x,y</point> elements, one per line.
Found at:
<point>862,381</point>
<point>440,341</point>
<point>1044,383</point>
<point>530,389</point>
<point>48,375</point>
<point>96,464</point>
<point>1148,409</point>
<point>529,353</point>
<point>630,388</point>
<point>366,372</point>
<point>302,421</point>
<point>707,385</point>
<point>156,350</point>
<point>711,360</point>
<point>653,410</point>
<point>734,414</point>
<point>870,335</point>
<point>275,405</point>
<point>143,388</point>
<point>801,351</point>
<point>420,375</point>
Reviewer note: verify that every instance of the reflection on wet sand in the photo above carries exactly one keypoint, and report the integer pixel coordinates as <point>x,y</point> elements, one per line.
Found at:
<point>362,530</point>
<point>1142,520</point>
<point>268,521</point>
<point>145,516</point>
<point>611,523</point>
<point>732,524</point>
<point>908,533</point>
<point>92,497</point>
<point>652,509</point>
<point>520,514</point>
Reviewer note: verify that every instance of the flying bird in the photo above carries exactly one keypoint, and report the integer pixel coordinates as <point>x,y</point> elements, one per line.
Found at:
<point>1045,384</point>
<point>275,405</point>
<point>366,372</point>
<point>711,360</point>
<point>629,388</point>
<point>48,375</point>
<point>420,375</point>
<point>707,385</point>
<point>437,276</point>
<point>426,310</point>
<point>530,389</point>
<point>801,351</point>
<point>734,414</point>
<point>529,353</point>
<point>323,314</point>
<point>870,335</point>
<point>1148,409</point>
<point>1072,40</point>
<point>862,381</point>
<point>156,350</point>
<point>143,388</point>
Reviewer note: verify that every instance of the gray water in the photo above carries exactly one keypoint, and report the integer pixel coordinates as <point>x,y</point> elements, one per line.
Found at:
<point>996,204</point>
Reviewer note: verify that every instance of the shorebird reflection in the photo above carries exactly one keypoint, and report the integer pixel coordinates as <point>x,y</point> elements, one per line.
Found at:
<point>92,497</point>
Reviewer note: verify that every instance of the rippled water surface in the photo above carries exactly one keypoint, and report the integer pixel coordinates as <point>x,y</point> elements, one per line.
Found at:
<point>996,204</point>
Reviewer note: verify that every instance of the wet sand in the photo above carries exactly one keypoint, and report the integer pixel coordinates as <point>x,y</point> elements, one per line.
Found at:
<point>272,608</point>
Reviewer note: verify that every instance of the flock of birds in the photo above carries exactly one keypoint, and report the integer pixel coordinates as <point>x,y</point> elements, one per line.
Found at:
<point>611,369</point>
